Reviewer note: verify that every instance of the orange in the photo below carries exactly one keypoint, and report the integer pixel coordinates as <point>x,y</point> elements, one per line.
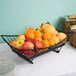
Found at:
<point>51,42</point>
<point>48,28</point>
<point>38,38</point>
<point>46,36</point>
<point>53,32</point>
<point>30,35</point>
<point>55,39</point>
<point>61,36</point>
<point>31,30</point>
<point>38,33</point>
<point>45,43</point>
<point>47,25</point>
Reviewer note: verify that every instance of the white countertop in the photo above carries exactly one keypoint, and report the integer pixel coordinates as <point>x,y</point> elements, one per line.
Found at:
<point>49,64</point>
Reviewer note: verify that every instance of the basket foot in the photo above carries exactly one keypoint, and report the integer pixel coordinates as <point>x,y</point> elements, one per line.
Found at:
<point>30,61</point>
<point>57,51</point>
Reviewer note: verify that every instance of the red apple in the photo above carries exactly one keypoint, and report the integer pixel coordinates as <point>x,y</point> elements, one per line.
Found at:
<point>28,45</point>
<point>13,43</point>
<point>38,44</point>
<point>29,39</point>
<point>29,53</point>
<point>39,51</point>
<point>19,43</point>
<point>21,52</point>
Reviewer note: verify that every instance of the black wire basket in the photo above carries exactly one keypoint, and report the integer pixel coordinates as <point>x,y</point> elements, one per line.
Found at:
<point>29,56</point>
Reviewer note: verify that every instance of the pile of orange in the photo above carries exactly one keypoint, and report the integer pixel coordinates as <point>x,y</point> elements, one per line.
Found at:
<point>47,34</point>
<point>30,33</point>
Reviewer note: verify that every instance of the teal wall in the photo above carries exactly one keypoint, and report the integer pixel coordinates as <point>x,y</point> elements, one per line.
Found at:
<point>15,15</point>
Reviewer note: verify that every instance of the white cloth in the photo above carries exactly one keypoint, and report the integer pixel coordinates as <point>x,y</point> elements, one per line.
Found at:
<point>49,64</point>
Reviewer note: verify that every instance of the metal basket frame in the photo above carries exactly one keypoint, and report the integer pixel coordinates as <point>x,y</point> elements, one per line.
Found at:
<point>56,48</point>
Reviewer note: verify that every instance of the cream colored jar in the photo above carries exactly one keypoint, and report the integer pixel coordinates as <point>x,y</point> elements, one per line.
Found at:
<point>7,68</point>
